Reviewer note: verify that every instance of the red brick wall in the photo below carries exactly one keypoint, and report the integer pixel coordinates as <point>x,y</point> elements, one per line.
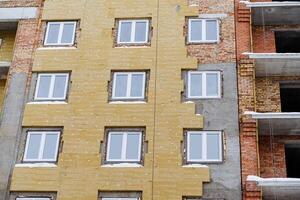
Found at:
<point>263,39</point>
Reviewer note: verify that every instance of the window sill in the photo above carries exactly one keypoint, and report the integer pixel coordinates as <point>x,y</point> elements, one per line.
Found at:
<point>47,102</point>
<point>132,46</point>
<point>34,165</point>
<point>124,165</point>
<point>127,102</point>
<point>56,48</point>
<point>195,166</point>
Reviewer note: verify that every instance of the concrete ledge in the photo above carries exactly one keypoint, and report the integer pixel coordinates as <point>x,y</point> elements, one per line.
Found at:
<point>273,55</point>
<point>15,14</point>
<point>270,4</point>
<point>4,64</point>
<point>278,182</point>
<point>274,115</point>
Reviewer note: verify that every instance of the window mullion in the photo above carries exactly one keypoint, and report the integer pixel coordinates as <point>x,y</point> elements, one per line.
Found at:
<point>133,31</point>
<point>124,146</point>
<point>204,84</point>
<point>51,89</point>
<point>204,30</point>
<point>61,26</point>
<point>129,77</point>
<point>42,146</point>
<point>204,146</point>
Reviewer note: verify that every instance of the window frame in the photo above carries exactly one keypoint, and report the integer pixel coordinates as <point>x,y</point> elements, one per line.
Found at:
<point>42,145</point>
<point>203,30</point>
<point>133,31</point>
<point>61,26</point>
<point>128,87</point>
<point>204,88</point>
<point>51,87</point>
<point>124,146</point>
<point>204,147</point>
<point>120,198</point>
<point>43,198</point>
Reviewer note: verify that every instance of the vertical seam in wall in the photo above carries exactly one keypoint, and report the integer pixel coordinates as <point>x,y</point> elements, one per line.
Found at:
<point>155,97</point>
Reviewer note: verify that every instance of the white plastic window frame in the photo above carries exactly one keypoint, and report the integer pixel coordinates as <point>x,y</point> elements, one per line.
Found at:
<point>61,28</point>
<point>51,89</point>
<point>42,146</point>
<point>203,30</point>
<point>120,198</point>
<point>124,145</point>
<point>133,31</point>
<point>204,88</point>
<point>128,87</point>
<point>204,146</point>
<point>33,198</point>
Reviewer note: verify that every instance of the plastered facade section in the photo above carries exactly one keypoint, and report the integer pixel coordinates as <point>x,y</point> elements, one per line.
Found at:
<point>7,46</point>
<point>87,113</point>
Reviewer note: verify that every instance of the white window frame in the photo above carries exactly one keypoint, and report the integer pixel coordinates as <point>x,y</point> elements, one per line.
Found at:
<point>204,146</point>
<point>42,146</point>
<point>204,91</point>
<point>51,89</point>
<point>128,87</point>
<point>61,26</point>
<point>120,198</point>
<point>33,198</point>
<point>203,29</point>
<point>124,145</point>
<point>133,31</point>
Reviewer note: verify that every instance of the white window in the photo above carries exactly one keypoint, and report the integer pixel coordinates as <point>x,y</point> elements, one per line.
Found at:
<point>203,31</point>
<point>121,198</point>
<point>129,85</point>
<point>204,146</point>
<point>52,86</point>
<point>60,33</point>
<point>124,146</point>
<point>133,31</point>
<point>42,146</point>
<point>33,198</point>
<point>204,84</point>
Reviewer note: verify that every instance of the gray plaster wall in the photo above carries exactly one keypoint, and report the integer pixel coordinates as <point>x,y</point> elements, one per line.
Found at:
<point>222,114</point>
<point>10,128</point>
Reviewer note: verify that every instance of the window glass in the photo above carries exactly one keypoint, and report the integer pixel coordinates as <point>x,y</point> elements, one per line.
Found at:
<point>59,86</point>
<point>67,34</point>
<point>213,146</point>
<point>44,86</point>
<point>137,85</point>
<point>140,31</point>
<point>133,144</point>
<point>195,149</point>
<point>33,146</point>
<point>115,146</point>
<point>50,146</point>
<point>196,84</point>
<point>212,86</point>
<point>196,30</point>
<point>211,30</point>
<point>125,31</point>
<point>53,33</point>
<point>121,85</point>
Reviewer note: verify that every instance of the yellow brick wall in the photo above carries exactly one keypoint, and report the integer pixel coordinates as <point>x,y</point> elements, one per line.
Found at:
<point>2,91</point>
<point>79,175</point>
<point>6,49</point>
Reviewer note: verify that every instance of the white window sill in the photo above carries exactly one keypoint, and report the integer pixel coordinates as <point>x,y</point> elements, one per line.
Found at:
<point>33,165</point>
<point>122,165</point>
<point>195,166</point>
<point>56,48</point>
<point>47,102</point>
<point>127,102</point>
<point>131,46</point>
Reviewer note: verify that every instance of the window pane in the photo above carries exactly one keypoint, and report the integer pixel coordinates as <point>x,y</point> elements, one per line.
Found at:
<point>59,86</point>
<point>33,146</point>
<point>137,86</point>
<point>50,146</point>
<point>212,87</point>
<point>196,30</point>
<point>67,35</point>
<point>213,146</point>
<point>121,85</point>
<point>140,32</point>
<point>195,148</point>
<point>133,144</point>
<point>211,30</point>
<point>44,86</point>
<point>196,85</point>
<point>53,33</point>
<point>115,146</point>
<point>125,33</point>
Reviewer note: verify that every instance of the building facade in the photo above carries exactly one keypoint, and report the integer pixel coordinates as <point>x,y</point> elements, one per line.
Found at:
<point>119,99</point>
<point>268,82</point>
